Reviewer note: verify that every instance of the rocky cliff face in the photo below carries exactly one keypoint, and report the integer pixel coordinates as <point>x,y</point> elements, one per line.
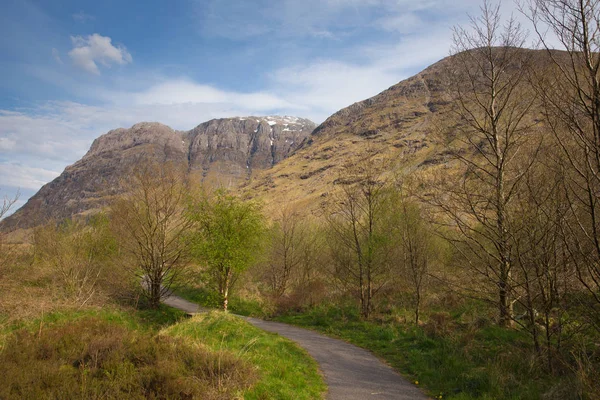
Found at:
<point>221,152</point>
<point>228,150</point>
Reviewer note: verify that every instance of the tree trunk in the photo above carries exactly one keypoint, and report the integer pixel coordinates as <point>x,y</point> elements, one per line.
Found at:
<point>154,300</point>
<point>417,306</point>
<point>225,289</point>
<point>505,305</point>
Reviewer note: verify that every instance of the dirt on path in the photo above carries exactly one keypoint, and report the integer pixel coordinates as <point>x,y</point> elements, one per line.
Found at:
<point>351,373</point>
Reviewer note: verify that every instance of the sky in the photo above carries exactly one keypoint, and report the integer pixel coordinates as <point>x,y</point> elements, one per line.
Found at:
<point>71,70</point>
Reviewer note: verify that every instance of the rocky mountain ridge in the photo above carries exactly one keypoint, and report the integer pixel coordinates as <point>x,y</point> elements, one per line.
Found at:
<point>221,152</point>
<point>283,159</point>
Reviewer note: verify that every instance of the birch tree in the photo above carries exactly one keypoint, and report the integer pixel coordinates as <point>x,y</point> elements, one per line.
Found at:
<point>487,80</point>
<point>227,238</point>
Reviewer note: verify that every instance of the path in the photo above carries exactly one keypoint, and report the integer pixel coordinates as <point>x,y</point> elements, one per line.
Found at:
<point>351,373</point>
<point>182,304</point>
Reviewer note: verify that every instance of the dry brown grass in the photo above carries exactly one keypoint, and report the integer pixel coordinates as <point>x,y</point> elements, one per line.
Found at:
<point>91,358</point>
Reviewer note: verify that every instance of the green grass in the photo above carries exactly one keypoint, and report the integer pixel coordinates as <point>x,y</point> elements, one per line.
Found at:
<point>146,319</point>
<point>208,299</point>
<point>285,371</point>
<point>278,369</point>
<point>457,362</point>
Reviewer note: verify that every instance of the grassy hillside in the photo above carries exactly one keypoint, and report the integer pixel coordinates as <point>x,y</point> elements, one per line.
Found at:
<point>151,354</point>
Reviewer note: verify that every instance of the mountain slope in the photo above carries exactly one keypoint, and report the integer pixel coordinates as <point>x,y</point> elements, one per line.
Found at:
<point>406,127</point>
<point>397,125</point>
<point>279,160</point>
<point>221,152</point>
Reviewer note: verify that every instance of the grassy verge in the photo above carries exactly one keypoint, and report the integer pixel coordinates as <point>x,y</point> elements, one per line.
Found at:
<point>451,360</point>
<point>285,371</point>
<point>208,299</point>
<point>147,320</point>
<point>113,353</point>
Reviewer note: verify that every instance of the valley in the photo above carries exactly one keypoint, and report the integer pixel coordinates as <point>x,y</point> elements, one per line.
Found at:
<point>440,239</point>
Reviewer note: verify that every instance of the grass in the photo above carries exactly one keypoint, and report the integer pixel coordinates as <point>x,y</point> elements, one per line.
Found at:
<point>285,371</point>
<point>151,354</point>
<point>93,357</point>
<point>147,319</point>
<point>449,359</point>
<point>208,299</point>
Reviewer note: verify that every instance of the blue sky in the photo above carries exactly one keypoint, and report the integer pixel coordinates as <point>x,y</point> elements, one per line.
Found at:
<point>72,70</point>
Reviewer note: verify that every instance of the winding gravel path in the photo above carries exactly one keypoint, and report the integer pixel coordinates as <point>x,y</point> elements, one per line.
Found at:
<point>351,373</point>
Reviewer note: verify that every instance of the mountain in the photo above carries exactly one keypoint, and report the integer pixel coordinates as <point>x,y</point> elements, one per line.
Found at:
<point>406,127</point>
<point>222,152</point>
<point>399,126</point>
<point>278,159</point>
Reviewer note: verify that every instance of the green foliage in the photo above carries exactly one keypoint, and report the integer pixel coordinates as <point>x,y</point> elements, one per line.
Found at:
<point>94,357</point>
<point>228,237</point>
<point>446,356</point>
<point>229,231</point>
<point>285,371</point>
<point>210,299</point>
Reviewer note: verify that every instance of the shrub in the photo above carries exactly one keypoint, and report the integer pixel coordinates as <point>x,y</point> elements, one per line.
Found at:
<point>91,358</point>
<point>439,324</point>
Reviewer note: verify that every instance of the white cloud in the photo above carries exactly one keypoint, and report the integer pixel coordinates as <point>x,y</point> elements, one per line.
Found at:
<point>90,50</point>
<point>322,87</point>
<point>24,177</point>
<point>39,134</point>
<point>7,144</point>
<point>401,23</point>
<point>329,19</point>
<point>183,91</point>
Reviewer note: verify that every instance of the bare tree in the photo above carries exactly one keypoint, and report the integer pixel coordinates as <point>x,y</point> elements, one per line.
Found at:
<point>487,79</point>
<point>6,250</point>
<point>7,204</point>
<point>570,90</point>
<point>546,274</point>
<point>151,224</point>
<point>288,240</point>
<point>360,240</point>
<point>77,253</point>
<point>416,247</point>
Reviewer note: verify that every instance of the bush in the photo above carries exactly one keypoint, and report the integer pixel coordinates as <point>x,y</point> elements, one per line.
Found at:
<point>440,324</point>
<point>91,358</point>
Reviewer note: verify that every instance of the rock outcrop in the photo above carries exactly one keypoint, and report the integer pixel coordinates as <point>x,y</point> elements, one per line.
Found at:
<point>220,152</point>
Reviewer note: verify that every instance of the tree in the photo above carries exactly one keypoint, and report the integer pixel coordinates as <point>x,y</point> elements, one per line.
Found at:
<point>6,250</point>
<point>487,79</point>
<point>541,256</point>
<point>227,237</point>
<point>570,90</point>
<point>77,253</point>
<point>360,232</point>
<point>151,224</point>
<point>417,247</point>
<point>286,253</point>
<point>7,204</point>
